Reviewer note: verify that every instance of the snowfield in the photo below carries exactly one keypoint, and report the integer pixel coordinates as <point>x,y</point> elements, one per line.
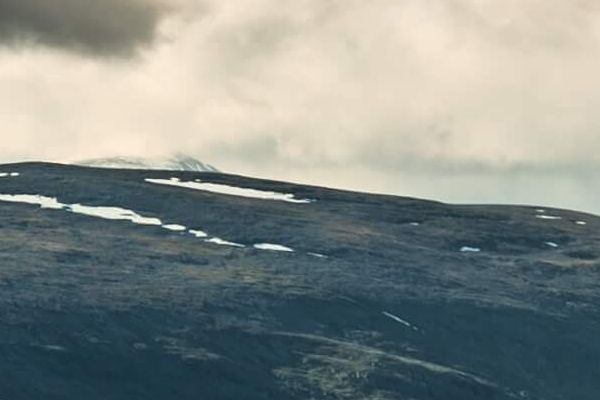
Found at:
<point>230,190</point>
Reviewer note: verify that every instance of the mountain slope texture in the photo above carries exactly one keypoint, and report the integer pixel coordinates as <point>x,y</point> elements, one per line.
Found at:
<point>138,284</point>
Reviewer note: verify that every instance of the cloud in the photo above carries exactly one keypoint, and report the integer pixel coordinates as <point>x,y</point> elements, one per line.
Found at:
<point>331,90</point>
<point>96,27</point>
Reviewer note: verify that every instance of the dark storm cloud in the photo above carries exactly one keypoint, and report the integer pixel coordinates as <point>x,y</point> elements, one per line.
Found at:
<point>96,27</point>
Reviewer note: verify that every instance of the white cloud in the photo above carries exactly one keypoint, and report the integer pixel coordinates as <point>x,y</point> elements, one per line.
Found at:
<point>443,88</point>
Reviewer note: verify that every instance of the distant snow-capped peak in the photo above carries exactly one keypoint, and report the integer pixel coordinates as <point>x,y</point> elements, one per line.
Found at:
<point>178,162</point>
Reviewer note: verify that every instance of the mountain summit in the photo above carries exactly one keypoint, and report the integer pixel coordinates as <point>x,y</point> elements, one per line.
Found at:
<point>177,162</point>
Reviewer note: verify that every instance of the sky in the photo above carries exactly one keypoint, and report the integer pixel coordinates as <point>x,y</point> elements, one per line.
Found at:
<point>470,101</point>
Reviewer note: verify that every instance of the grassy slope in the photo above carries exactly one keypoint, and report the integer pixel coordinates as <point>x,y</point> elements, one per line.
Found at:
<point>101,309</point>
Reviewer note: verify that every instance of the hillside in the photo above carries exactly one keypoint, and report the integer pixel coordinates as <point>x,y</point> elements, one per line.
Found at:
<point>135,284</point>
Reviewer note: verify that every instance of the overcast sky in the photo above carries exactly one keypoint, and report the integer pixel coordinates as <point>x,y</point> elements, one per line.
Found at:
<point>459,100</point>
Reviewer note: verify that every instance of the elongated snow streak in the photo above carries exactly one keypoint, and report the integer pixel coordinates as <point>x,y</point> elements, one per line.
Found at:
<point>122,214</point>
<point>581,222</point>
<point>9,174</point>
<point>222,242</point>
<point>550,217</point>
<point>112,213</point>
<point>318,255</point>
<point>230,190</point>
<point>175,227</point>
<point>42,201</point>
<point>552,244</point>
<point>400,320</point>
<point>272,247</point>
<point>467,249</point>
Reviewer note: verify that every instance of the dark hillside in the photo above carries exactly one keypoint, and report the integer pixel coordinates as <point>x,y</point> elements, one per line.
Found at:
<point>382,297</point>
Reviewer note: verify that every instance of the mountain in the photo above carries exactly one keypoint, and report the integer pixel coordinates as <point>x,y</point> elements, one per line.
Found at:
<point>136,284</point>
<point>177,162</point>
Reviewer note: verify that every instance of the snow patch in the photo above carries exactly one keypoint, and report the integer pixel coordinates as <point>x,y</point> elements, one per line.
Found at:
<point>272,247</point>
<point>9,174</point>
<point>552,244</point>
<point>318,255</point>
<point>581,222</point>
<point>222,242</point>
<point>415,223</point>
<point>400,320</point>
<point>230,190</point>
<point>42,201</point>
<point>549,217</point>
<point>122,214</point>
<point>175,227</point>
<point>113,213</point>
<point>198,234</point>
<point>467,249</point>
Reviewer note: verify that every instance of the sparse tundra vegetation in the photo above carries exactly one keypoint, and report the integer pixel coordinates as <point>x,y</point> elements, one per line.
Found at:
<point>116,287</point>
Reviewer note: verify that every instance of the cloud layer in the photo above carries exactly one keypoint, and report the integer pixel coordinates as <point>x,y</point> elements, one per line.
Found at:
<point>320,90</point>
<point>96,27</point>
